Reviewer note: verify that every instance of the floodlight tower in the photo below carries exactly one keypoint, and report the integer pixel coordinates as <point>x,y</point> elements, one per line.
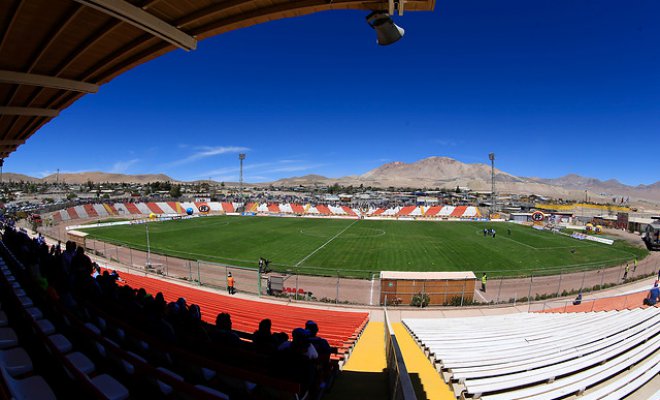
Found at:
<point>491,157</point>
<point>241,157</point>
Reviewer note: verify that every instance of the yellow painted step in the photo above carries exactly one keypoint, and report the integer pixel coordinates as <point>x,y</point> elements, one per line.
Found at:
<point>364,375</point>
<point>420,369</point>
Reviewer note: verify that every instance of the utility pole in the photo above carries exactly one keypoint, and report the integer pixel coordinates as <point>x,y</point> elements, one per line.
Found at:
<point>146,227</point>
<point>493,208</point>
<point>241,157</point>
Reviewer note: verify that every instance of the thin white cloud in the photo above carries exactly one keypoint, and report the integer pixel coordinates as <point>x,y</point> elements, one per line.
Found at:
<point>207,151</point>
<point>446,142</point>
<point>262,171</point>
<point>295,168</point>
<point>121,167</point>
<point>43,174</point>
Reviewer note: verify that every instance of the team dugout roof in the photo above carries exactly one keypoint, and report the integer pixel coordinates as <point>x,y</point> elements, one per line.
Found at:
<point>52,52</point>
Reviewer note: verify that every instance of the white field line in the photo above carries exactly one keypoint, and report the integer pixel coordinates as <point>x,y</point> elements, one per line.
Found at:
<point>325,244</point>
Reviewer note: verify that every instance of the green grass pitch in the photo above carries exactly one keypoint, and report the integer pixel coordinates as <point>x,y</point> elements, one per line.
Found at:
<point>360,247</point>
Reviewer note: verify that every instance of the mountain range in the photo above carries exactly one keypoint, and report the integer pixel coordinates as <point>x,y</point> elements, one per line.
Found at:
<point>431,172</point>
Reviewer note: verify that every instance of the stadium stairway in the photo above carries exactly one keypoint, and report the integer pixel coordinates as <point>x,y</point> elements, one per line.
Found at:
<point>426,380</point>
<point>364,375</point>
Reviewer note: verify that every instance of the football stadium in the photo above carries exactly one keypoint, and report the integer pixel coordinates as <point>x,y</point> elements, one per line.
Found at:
<point>280,292</point>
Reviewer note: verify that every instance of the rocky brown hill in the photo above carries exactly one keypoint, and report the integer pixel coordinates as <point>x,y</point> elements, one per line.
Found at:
<point>431,172</point>
<point>444,172</point>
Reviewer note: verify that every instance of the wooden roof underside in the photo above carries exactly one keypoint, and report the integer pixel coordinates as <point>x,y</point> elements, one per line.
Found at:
<point>52,52</point>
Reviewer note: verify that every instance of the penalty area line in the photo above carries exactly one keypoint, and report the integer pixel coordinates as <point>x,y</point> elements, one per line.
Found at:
<point>324,244</point>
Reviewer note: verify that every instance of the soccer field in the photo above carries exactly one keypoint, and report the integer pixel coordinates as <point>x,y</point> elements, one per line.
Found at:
<point>358,247</point>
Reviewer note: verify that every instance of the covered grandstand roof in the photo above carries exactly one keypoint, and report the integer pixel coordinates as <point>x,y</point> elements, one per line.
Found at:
<point>52,52</point>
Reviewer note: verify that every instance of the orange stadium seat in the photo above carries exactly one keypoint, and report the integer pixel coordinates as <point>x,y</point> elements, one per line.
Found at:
<point>154,208</point>
<point>339,327</point>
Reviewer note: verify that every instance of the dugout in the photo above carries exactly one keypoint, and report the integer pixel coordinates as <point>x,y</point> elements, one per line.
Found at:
<point>442,288</point>
<point>77,237</point>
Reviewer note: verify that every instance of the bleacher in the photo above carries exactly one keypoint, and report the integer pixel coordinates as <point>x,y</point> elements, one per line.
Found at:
<point>597,355</point>
<point>87,347</point>
<point>340,328</point>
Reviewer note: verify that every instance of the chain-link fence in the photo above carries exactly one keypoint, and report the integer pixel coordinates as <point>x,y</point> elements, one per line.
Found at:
<point>364,288</point>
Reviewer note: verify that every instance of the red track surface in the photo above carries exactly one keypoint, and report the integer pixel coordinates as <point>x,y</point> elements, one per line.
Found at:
<point>629,302</point>
<point>338,327</point>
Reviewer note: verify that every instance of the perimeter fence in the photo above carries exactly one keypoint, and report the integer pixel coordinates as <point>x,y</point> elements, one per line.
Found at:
<point>364,287</point>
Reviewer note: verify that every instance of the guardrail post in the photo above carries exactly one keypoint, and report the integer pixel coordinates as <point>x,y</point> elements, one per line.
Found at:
<point>296,295</point>
<point>559,287</point>
<point>499,290</point>
<point>337,294</point>
<point>167,269</point>
<point>531,282</point>
<point>602,278</point>
<point>104,251</point>
<point>117,252</point>
<point>199,276</point>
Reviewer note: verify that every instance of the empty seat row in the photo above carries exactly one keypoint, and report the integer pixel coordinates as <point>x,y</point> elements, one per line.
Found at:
<point>539,357</point>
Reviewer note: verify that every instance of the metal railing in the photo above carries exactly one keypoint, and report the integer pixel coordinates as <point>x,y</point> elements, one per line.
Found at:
<point>332,286</point>
<point>400,385</point>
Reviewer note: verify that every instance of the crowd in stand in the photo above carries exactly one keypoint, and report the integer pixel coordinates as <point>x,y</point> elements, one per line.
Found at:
<point>69,276</point>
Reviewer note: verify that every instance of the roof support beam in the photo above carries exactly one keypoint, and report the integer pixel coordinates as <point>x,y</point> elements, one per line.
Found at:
<point>11,142</point>
<point>143,20</point>
<point>29,111</point>
<point>21,78</point>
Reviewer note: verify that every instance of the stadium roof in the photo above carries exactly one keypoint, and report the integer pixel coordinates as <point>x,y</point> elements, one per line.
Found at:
<point>52,52</point>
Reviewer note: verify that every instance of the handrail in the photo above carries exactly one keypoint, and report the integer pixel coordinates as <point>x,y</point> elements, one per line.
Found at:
<point>401,387</point>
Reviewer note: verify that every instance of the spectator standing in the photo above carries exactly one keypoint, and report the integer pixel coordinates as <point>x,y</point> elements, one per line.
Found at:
<point>230,284</point>
<point>625,272</point>
<point>484,279</point>
<point>634,264</point>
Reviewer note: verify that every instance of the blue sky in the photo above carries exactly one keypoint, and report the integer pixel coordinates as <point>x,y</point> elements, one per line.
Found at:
<point>552,87</point>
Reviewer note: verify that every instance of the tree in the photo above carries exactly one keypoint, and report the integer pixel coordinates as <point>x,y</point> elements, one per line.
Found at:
<point>175,191</point>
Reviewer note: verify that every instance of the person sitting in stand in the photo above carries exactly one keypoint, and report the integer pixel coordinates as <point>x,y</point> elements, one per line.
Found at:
<point>578,299</point>
<point>653,296</point>
<point>294,362</point>
<point>263,339</point>
<point>222,334</point>
<point>302,335</point>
